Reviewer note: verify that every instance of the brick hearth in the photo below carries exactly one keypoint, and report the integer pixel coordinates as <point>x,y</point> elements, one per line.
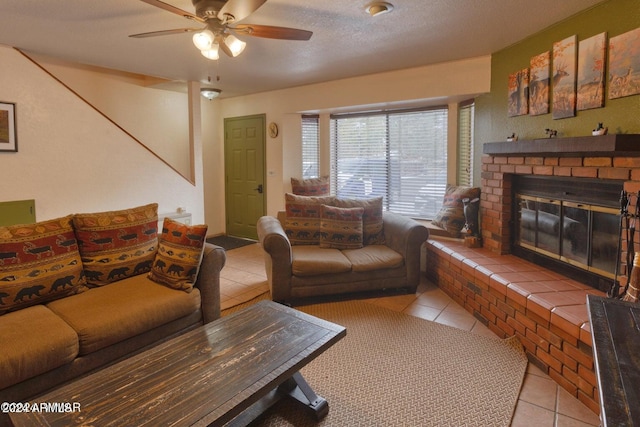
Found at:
<point>511,296</point>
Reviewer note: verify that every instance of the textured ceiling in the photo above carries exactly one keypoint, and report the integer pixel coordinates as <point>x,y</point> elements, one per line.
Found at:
<point>346,41</point>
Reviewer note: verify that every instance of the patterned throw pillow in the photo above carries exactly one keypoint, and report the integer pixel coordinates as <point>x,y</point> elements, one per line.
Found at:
<point>179,254</point>
<point>38,263</point>
<point>117,244</point>
<point>310,186</point>
<point>451,215</point>
<point>372,222</point>
<point>340,228</point>
<point>302,218</point>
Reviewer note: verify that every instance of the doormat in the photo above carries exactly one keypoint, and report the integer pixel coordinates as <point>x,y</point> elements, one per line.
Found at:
<point>230,242</point>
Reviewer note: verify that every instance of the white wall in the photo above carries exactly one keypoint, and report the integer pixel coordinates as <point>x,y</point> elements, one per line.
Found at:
<point>133,101</point>
<point>72,159</point>
<point>438,84</point>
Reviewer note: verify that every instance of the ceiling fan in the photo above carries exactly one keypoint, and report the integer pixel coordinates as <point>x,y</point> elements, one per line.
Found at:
<point>220,18</point>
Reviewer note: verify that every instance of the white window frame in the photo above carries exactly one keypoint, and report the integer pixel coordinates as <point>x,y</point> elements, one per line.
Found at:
<point>310,146</point>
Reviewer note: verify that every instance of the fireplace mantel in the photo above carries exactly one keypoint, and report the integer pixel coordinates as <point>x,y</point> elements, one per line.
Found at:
<point>620,145</point>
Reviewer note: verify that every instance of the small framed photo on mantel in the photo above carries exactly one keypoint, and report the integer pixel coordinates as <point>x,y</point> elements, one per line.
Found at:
<point>8,137</point>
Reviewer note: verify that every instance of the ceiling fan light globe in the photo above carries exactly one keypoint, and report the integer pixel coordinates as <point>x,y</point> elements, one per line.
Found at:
<point>203,40</point>
<point>211,53</point>
<point>234,45</point>
<point>210,93</point>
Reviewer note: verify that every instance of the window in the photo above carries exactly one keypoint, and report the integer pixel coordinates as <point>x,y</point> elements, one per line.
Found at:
<point>310,161</point>
<point>465,143</point>
<point>400,155</point>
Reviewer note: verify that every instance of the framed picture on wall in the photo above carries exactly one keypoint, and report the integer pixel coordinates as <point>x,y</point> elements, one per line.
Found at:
<point>539,84</point>
<point>8,138</point>
<point>591,60</point>
<point>624,63</point>
<point>518,88</point>
<point>564,78</point>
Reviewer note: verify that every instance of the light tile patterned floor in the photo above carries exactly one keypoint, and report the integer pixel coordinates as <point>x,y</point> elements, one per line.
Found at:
<point>542,402</point>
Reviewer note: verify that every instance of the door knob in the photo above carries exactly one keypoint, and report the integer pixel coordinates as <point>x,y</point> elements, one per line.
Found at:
<point>258,189</point>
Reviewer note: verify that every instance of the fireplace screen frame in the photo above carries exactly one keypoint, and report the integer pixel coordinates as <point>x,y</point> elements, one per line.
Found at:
<point>595,197</point>
<point>549,227</point>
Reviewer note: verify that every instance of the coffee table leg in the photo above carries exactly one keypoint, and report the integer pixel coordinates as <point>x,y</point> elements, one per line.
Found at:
<point>298,388</point>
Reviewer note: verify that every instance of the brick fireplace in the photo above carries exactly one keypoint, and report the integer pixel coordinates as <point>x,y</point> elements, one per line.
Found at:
<point>608,157</point>
<point>511,296</point>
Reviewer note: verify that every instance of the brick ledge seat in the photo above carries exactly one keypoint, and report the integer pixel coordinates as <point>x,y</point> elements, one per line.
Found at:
<point>511,296</point>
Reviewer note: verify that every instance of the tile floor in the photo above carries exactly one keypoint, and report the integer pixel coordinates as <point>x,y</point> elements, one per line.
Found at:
<point>542,402</point>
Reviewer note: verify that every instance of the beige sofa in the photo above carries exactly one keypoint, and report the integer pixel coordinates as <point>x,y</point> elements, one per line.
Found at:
<point>49,342</point>
<point>300,271</point>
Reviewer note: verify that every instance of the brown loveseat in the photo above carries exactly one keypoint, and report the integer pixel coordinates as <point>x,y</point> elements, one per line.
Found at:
<point>387,258</point>
<point>57,323</point>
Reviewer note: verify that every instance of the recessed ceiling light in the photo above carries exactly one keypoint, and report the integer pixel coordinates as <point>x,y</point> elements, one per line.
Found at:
<point>378,8</point>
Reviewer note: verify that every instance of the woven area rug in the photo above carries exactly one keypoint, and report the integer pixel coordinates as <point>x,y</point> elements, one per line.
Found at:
<point>394,369</point>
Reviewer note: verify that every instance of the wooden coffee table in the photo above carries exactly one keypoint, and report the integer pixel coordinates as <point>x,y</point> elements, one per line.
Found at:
<point>224,373</point>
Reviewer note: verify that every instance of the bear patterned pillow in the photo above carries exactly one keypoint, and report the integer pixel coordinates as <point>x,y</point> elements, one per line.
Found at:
<point>451,215</point>
<point>372,220</point>
<point>38,263</point>
<point>117,244</point>
<point>179,254</point>
<point>341,228</point>
<point>302,218</point>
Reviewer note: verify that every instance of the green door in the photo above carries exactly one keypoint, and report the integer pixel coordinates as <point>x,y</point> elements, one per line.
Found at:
<point>244,141</point>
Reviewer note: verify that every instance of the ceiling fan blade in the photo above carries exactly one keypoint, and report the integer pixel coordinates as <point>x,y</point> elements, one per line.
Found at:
<point>270,32</point>
<point>239,9</point>
<point>165,32</point>
<point>173,9</point>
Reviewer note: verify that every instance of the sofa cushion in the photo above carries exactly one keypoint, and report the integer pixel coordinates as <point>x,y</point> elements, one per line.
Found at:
<point>38,263</point>
<point>310,186</point>
<point>302,218</point>
<point>109,314</point>
<point>372,223</point>
<point>451,215</point>
<point>34,341</point>
<point>314,260</point>
<point>340,228</point>
<point>373,257</point>
<point>179,255</point>
<point>117,244</point>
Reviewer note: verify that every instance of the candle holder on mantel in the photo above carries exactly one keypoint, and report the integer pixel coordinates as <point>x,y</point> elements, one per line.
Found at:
<point>600,130</point>
<point>512,138</point>
<point>551,133</point>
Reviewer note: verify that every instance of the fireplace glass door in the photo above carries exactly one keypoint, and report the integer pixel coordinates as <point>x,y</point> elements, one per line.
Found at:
<point>539,224</point>
<point>575,236</point>
<point>604,239</point>
<point>583,235</point>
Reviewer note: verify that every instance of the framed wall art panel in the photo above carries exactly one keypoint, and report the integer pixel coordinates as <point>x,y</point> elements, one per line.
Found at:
<point>8,137</point>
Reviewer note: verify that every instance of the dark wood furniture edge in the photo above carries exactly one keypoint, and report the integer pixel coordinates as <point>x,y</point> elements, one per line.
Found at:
<point>618,393</point>
<point>627,145</point>
<point>282,381</point>
<point>261,399</point>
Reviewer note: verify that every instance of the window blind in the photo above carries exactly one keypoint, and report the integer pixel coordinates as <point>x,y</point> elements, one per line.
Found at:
<point>399,155</point>
<point>310,145</point>
<point>465,143</point>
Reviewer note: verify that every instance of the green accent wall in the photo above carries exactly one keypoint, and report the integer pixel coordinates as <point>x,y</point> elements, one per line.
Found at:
<point>621,115</point>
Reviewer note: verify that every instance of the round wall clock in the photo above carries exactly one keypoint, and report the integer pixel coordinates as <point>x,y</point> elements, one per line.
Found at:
<point>273,130</point>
